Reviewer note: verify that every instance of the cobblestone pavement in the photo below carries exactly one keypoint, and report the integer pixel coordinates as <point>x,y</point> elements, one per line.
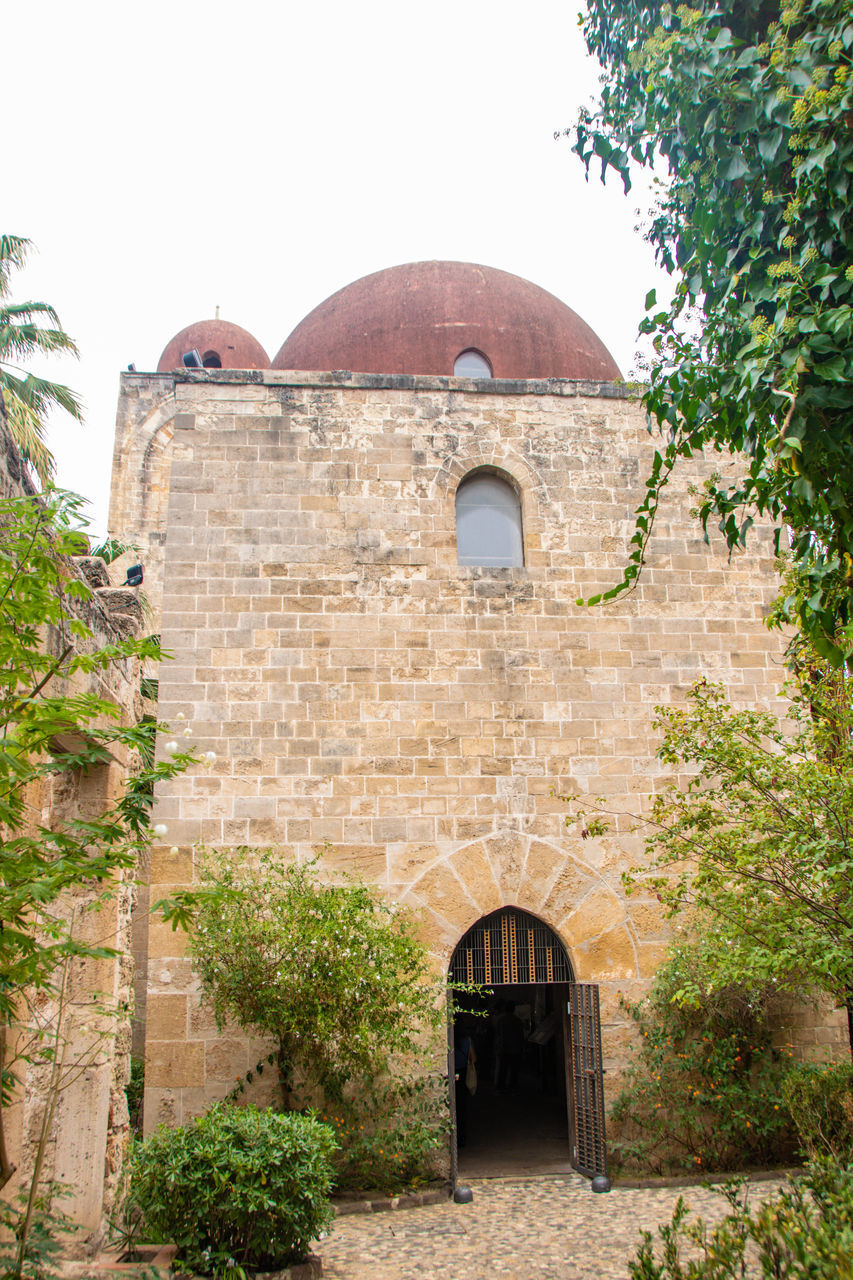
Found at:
<point>551,1228</point>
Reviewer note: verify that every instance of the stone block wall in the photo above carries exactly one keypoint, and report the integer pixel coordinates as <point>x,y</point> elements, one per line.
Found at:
<point>411,721</point>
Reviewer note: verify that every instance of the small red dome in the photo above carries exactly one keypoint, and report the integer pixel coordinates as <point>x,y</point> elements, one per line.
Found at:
<point>420,317</point>
<point>221,346</point>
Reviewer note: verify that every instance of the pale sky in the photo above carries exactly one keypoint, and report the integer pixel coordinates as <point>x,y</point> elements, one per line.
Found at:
<point>259,155</point>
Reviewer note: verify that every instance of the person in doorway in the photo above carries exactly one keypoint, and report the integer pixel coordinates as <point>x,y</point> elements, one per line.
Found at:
<point>510,1033</point>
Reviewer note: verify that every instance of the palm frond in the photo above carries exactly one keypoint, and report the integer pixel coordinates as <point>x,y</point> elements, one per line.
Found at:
<point>17,341</point>
<point>27,430</point>
<point>40,395</point>
<point>13,255</point>
<point>25,310</point>
<point>27,329</point>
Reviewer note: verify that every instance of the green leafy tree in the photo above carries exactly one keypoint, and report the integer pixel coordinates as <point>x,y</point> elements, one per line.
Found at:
<point>53,725</point>
<point>756,835</point>
<point>743,110</point>
<point>28,329</point>
<point>332,973</point>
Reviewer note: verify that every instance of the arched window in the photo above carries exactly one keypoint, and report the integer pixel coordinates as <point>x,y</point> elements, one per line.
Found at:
<point>488,522</point>
<point>212,360</point>
<point>471,364</point>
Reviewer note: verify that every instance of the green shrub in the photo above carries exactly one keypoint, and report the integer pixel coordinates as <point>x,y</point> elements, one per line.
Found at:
<point>237,1189</point>
<point>704,1088</point>
<point>804,1232</point>
<point>820,1100</point>
<point>389,1141</point>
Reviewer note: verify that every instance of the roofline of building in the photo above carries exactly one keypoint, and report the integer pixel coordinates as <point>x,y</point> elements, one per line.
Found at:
<point>568,387</point>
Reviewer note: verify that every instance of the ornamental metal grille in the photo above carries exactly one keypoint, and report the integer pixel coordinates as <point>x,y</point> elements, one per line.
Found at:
<point>587,1080</point>
<point>510,947</point>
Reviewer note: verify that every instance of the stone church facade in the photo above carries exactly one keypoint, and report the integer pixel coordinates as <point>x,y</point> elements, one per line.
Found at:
<point>369,699</point>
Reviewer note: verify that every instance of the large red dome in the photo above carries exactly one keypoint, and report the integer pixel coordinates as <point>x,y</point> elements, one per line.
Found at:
<point>220,344</point>
<point>419,317</point>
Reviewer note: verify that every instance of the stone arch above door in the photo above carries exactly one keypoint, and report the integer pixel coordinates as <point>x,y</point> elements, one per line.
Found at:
<point>509,868</point>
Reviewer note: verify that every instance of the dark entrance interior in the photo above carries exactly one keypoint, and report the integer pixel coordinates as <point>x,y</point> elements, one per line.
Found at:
<point>518,1120</point>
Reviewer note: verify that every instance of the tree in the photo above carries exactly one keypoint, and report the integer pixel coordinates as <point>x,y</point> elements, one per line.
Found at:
<point>757,840</point>
<point>23,334</point>
<point>746,106</point>
<point>333,974</point>
<point>53,870</point>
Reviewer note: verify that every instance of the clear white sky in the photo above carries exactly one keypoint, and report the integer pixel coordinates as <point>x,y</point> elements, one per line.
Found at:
<point>170,157</point>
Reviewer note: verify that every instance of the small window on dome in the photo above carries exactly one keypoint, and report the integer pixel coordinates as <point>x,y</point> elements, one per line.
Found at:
<point>212,360</point>
<point>488,523</point>
<point>471,364</point>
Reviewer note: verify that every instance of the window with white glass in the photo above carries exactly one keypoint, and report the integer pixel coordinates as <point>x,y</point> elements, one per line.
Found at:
<point>488,522</point>
<point>471,364</point>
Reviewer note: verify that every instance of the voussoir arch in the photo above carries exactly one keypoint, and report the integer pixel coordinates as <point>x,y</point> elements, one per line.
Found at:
<point>546,879</point>
<point>489,456</point>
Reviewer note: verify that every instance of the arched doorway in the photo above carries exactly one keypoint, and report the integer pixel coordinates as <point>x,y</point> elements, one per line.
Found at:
<point>536,1033</point>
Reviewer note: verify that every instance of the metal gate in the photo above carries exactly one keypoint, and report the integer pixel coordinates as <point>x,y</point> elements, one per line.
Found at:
<point>508,948</point>
<point>589,1149</point>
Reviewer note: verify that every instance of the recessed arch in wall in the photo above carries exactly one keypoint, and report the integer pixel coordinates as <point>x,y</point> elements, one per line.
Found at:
<point>486,457</point>
<point>156,469</point>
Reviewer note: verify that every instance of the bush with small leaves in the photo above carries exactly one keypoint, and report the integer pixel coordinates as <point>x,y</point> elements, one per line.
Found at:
<point>703,1090</point>
<point>820,1100</point>
<point>329,971</point>
<point>390,1135</point>
<point>804,1232</point>
<point>237,1189</point>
